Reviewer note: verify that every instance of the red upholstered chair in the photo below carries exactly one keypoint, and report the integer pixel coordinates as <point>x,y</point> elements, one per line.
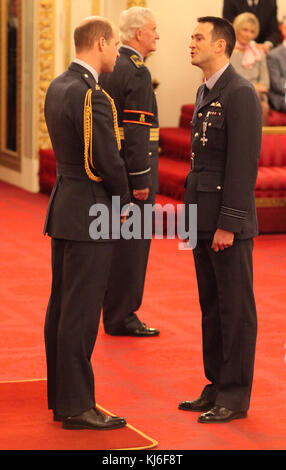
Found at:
<point>47,170</point>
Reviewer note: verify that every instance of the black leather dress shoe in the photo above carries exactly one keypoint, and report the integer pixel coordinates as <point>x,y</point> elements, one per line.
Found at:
<point>219,414</point>
<point>93,419</point>
<point>142,331</point>
<point>57,417</point>
<point>201,404</point>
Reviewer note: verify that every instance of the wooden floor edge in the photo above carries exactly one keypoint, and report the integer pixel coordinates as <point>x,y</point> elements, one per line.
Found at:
<point>153,442</point>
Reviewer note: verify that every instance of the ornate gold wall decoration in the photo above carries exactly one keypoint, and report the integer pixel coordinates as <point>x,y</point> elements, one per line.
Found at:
<point>136,3</point>
<point>96,7</point>
<point>10,83</point>
<point>45,19</point>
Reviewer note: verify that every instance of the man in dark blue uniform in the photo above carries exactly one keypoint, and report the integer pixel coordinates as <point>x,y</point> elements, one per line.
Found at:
<point>130,85</point>
<point>226,142</point>
<point>81,120</point>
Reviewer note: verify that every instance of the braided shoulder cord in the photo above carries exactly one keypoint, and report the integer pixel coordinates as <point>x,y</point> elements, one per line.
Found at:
<point>87,129</point>
<point>88,132</point>
<point>115,121</point>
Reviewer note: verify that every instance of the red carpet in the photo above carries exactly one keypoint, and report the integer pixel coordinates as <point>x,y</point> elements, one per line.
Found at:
<point>26,425</point>
<point>143,379</point>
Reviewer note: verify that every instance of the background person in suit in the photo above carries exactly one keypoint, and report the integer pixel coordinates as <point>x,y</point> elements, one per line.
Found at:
<point>80,264</point>
<point>130,85</point>
<point>226,140</point>
<point>266,13</point>
<point>249,61</point>
<point>276,60</point>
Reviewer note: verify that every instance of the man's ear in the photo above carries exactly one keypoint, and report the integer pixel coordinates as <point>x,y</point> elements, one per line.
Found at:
<point>138,34</point>
<point>220,45</point>
<point>101,43</point>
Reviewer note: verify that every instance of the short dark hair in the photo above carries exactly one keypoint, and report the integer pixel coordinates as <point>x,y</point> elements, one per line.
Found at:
<point>222,29</point>
<point>90,30</point>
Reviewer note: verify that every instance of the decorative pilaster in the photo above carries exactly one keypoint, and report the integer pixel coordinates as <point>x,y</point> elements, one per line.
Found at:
<point>136,3</point>
<point>45,41</point>
<point>96,7</point>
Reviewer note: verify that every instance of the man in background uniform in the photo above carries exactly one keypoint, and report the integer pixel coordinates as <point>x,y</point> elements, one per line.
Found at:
<point>226,144</point>
<point>81,120</point>
<point>130,86</point>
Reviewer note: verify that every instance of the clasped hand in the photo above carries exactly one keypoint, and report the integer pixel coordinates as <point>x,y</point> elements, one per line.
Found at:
<point>222,239</point>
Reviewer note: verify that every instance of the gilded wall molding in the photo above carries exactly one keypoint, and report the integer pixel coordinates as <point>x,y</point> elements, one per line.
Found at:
<point>96,7</point>
<point>45,37</point>
<point>136,3</point>
<point>8,157</point>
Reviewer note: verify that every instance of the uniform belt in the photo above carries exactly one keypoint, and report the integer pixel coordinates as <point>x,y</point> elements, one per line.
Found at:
<point>207,166</point>
<point>73,171</point>
<point>154,134</point>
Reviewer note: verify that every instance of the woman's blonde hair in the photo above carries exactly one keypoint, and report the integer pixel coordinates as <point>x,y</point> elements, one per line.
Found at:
<point>243,18</point>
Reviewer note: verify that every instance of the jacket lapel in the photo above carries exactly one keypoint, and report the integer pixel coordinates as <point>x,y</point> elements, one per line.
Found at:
<point>214,93</point>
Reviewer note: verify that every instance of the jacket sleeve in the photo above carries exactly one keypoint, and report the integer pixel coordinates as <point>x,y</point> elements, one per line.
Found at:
<point>264,73</point>
<point>229,10</point>
<point>277,79</point>
<point>136,117</point>
<point>106,158</point>
<point>244,129</point>
<point>272,34</point>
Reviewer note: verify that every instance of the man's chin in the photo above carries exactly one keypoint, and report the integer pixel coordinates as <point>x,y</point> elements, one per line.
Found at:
<point>194,61</point>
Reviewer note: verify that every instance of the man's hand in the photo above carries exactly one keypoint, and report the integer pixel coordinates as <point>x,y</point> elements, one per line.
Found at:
<point>124,215</point>
<point>222,239</point>
<point>141,194</point>
<point>265,47</point>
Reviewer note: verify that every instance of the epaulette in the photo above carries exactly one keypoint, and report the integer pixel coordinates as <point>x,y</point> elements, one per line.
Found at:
<point>137,61</point>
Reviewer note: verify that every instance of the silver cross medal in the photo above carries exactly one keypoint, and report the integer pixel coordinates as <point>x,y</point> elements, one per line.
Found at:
<point>204,140</point>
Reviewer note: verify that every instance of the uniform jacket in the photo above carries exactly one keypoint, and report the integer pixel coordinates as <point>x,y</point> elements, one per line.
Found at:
<point>226,144</point>
<point>74,192</point>
<point>276,60</point>
<point>130,86</point>
<point>266,12</point>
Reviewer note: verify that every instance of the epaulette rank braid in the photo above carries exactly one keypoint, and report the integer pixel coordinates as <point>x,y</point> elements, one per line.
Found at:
<point>137,61</point>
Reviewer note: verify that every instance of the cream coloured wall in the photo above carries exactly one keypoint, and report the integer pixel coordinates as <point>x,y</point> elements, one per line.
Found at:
<point>171,65</point>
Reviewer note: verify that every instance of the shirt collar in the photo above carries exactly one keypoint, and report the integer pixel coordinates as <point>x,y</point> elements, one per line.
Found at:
<point>88,67</point>
<point>132,49</point>
<point>210,83</point>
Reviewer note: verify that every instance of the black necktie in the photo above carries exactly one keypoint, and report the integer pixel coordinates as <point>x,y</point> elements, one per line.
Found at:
<point>205,92</point>
<point>253,6</point>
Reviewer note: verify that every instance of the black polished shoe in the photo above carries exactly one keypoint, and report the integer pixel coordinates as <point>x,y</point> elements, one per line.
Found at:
<point>57,417</point>
<point>219,414</point>
<point>141,331</point>
<point>201,404</point>
<point>93,419</point>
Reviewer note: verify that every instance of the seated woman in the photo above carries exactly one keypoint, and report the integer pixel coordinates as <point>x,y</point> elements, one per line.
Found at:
<point>249,61</point>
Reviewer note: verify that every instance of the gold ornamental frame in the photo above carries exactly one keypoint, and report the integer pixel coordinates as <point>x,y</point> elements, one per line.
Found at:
<point>274,130</point>
<point>10,158</point>
<point>45,61</point>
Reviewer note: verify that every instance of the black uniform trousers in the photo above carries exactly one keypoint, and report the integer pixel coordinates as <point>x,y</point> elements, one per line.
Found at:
<point>127,278</point>
<point>229,322</point>
<point>79,279</point>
